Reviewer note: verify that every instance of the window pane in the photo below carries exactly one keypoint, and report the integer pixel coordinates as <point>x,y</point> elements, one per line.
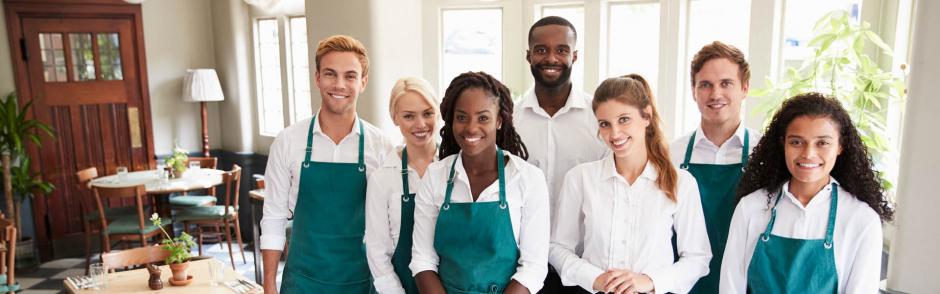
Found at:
<point>633,40</point>
<point>109,50</point>
<point>575,15</point>
<point>471,41</point>
<point>300,68</point>
<point>727,21</point>
<point>53,57</point>
<point>269,81</point>
<point>799,18</point>
<point>83,58</point>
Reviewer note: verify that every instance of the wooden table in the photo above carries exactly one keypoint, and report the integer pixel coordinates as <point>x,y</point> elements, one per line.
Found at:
<point>192,179</point>
<point>135,281</point>
<point>256,200</point>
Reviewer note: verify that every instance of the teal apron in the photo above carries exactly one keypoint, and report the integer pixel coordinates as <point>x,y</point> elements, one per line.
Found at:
<point>326,250</point>
<point>402,256</point>
<point>788,265</point>
<point>474,240</point>
<point>716,185</point>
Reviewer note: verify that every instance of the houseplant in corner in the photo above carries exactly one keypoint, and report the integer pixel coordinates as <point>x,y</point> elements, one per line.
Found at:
<point>179,249</point>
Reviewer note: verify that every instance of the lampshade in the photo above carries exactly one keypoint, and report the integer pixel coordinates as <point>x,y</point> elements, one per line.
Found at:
<point>202,84</point>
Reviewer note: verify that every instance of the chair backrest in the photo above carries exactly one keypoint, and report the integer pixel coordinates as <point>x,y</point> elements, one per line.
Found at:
<point>134,257</point>
<point>205,162</point>
<point>231,180</point>
<point>103,194</point>
<point>84,176</point>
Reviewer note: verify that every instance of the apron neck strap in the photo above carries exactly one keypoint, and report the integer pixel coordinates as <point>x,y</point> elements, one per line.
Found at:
<point>830,225</point>
<point>362,135</point>
<point>404,171</point>
<point>309,140</point>
<point>744,150</point>
<point>688,152</point>
<point>500,167</point>
<point>362,143</point>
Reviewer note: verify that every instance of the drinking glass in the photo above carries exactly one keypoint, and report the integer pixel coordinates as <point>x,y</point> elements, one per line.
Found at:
<point>216,275</point>
<point>122,173</point>
<point>194,165</point>
<point>99,275</point>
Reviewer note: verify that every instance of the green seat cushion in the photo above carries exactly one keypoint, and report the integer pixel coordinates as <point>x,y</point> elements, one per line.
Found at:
<point>129,225</point>
<point>192,200</point>
<point>114,212</point>
<point>204,213</point>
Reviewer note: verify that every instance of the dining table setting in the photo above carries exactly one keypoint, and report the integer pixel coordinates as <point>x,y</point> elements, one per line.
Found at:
<point>138,281</point>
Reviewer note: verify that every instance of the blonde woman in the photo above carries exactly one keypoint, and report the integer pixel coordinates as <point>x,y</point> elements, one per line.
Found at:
<point>391,189</point>
<point>615,216</point>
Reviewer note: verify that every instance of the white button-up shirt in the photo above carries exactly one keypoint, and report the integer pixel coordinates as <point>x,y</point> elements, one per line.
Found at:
<point>605,223</point>
<point>383,219</point>
<point>856,238</point>
<point>282,174</point>
<point>704,151</point>
<point>560,142</point>
<point>527,197</point>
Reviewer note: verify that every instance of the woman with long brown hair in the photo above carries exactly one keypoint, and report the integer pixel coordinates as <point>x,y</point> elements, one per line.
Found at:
<point>620,211</point>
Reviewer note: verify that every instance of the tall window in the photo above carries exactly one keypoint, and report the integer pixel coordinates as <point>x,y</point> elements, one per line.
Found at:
<point>575,15</point>
<point>799,18</point>
<point>727,21</point>
<point>472,41</point>
<point>633,40</point>
<point>283,80</point>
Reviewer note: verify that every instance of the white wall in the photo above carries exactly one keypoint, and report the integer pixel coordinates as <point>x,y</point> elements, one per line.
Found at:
<point>177,36</point>
<point>231,25</point>
<point>914,256</point>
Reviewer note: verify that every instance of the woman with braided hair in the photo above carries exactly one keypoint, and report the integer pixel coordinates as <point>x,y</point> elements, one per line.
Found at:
<point>481,212</point>
<point>811,218</point>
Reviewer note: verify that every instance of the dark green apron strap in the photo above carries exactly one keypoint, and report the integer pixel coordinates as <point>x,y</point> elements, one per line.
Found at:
<point>833,203</point>
<point>502,179</point>
<point>450,184</point>
<point>745,150</point>
<point>688,152</point>
<point>362,143</point>
<point>309,149</point>
<point>773,217</point>
<point>404,172</point>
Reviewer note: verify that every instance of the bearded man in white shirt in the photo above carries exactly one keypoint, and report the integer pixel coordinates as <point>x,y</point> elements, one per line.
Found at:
<point>555,119</point>
<point>716,153</point>
<point>316,176</point>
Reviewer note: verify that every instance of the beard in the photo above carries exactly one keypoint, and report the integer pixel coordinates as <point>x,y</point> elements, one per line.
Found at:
<point>563,77</point>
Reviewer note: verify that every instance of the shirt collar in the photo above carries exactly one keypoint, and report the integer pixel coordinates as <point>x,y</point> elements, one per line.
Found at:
<point>609,169</point>
<point>738,136</point>
<point>316,125</point>
<point>514,164</point>
<point>822,194</point>
<point>575,99</point>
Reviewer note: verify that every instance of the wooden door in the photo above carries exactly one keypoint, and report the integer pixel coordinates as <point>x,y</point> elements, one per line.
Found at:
<point>82,66</point>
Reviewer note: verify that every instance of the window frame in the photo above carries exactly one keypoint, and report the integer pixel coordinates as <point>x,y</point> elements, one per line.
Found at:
<point>285,59</point>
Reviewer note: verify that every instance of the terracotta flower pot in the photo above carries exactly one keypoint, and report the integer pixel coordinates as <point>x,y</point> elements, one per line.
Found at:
<point>180,270</point>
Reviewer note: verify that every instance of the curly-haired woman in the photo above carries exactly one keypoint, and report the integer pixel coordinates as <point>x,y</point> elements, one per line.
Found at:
<point>811,218</point>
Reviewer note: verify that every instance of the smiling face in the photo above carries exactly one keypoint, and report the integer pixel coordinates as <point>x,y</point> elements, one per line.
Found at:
<point>811,146</point>
<point>476,119</point>
<point>551,54</point>
<point>719,92</point>
<point>415,118</point>
<point>340,81</point>
<point>622,127</point>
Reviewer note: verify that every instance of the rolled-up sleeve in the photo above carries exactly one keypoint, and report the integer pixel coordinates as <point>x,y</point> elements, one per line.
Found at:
<point>534,232</point>
<point>277,181</point>
<point>691,242</point>
<point>423,255</point>
<point>567,236</point>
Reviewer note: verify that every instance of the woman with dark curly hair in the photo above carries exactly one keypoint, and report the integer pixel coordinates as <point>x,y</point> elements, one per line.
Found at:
<point>811,218</point>
<point>481,212</point>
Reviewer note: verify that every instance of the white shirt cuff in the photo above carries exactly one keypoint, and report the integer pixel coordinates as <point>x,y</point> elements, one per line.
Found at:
<point>418,266</point>
<point>662,280</point>
<point>531,280</point>
<point>586,277</point>
<point>389,284</point>
<point>273,242</point>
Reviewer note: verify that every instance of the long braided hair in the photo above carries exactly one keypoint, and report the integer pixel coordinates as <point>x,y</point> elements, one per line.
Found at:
<point>506,137</point>
<point>767,168</point>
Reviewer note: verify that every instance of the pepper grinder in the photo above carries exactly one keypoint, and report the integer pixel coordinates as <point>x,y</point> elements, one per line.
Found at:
<point>155,283</point>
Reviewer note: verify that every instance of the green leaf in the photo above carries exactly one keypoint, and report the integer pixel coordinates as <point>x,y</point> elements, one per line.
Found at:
<point>874,38</point>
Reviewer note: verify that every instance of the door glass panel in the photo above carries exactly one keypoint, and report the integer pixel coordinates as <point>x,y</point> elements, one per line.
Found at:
<point>472,40</point>
<point>109,51</point>
<point>632,50</point>
<point>83,58</point>
<point>53,57</point>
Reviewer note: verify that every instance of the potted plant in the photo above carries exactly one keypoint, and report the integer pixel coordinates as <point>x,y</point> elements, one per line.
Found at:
<point>841,68</point>
<point>179,249</point>
<point>16,130</point>
<point>177,162</point>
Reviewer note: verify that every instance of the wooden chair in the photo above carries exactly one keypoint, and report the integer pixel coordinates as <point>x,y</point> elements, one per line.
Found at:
<point>8,238</point>
<point>198,200</point>
<point>90,216</point>
<point>136,227</point>
<point>225,215</point>
<point>134,257</point>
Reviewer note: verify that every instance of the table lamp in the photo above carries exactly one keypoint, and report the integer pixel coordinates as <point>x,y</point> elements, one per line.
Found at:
<point>202,85</point>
